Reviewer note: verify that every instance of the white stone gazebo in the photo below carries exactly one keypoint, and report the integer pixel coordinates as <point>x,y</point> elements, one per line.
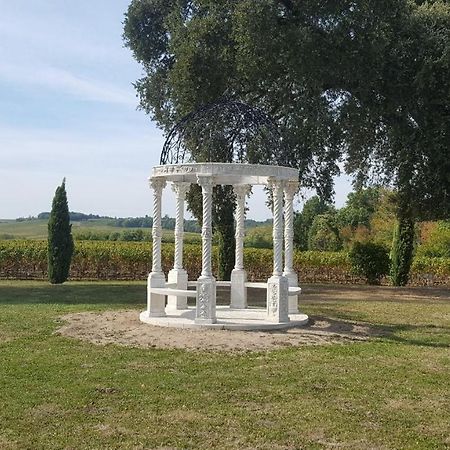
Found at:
<point>167,299</point>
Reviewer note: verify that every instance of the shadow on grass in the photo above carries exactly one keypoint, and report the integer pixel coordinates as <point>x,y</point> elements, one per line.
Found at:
<point>387,332</point>
<point>347,292</point>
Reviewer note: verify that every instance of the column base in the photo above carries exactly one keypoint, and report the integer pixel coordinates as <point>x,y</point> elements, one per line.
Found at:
<point>179,278</point>
<point>156,303</point>
<point>277,299</point>
<point>293,299</point>
<point>206,300</point>
<point>238,289</point>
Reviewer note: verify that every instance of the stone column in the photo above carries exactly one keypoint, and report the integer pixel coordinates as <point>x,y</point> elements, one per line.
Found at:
<point>277,284</point>
<point>239,275</point>
<point>178,275</point>
<point>206,284</point>
<point>290,189</point>
<point>156,279</point>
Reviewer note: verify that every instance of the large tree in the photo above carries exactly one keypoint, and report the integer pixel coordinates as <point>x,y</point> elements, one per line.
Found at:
<point>303,220</point>
<point>363,82</point>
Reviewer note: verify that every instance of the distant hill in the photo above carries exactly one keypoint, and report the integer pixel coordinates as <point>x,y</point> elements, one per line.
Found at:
<point>167,222</point>
<point>75,216</point>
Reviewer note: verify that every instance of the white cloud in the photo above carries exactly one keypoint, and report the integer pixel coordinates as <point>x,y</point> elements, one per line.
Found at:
<point>65,82</point>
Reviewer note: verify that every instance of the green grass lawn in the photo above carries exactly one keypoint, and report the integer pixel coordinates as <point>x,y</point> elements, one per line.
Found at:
<point>56,392</point>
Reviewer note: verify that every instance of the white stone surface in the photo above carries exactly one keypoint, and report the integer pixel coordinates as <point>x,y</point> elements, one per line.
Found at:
<point>179,279</point>
<point>178,276</point>
<point>155,302</point>
<point>293,298</point>
<point>225,173</point>
<point>206,284</point>
<point>227,319</point>
<point>277,299</point>
<point>156,279</point>
<point>157,185</point>
<point>238,292</point>
<point>239,275</point>
<point>290,189</point>
<point>206,300</point>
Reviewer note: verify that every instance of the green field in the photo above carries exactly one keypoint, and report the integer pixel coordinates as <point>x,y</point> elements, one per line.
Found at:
<point>391,392</point>
<point>260,236</point>
<point>30,229</point>
<point>37,229</point>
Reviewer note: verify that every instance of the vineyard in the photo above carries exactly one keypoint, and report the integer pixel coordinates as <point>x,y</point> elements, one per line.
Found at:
<point>104,260</point>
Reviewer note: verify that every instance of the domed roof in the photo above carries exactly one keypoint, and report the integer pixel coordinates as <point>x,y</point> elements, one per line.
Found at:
<point>225,131</point>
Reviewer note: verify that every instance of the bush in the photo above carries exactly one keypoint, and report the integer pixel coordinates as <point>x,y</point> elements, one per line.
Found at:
<point>437,244</point>
<point>370,260</point>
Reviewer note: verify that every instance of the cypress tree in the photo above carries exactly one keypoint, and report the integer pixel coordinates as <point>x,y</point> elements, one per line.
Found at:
<point>223,222</point>
<point>403,240</point>
<point>402,251</point>
<point>60,241</point>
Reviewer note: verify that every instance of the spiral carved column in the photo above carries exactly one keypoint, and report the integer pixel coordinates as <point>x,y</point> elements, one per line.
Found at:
<point>239,275</point>
<point>277,285</point>
<point>180,190</point>
<point>277,191</point>
<point>206,284</point>
<point>290,189</point>
<point>178,277</point>
<point>156,279</point>
<point>157,185</point>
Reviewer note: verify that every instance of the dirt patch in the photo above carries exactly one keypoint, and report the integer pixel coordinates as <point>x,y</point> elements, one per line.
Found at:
<point>124,328</point>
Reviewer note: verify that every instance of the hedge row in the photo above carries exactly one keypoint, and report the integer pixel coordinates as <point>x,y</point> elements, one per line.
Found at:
<point>103,260</point>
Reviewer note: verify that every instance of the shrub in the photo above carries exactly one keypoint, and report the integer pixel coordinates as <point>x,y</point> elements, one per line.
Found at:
<point>437,243</point>
<point>370,260</point>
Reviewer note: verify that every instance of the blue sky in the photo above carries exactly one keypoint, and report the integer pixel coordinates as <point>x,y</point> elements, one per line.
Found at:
<point>68,109</point>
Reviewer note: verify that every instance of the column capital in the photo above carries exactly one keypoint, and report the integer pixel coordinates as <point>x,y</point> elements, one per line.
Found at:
<point>291,188</point>
<point>157,184</point>
<point>180,188</point>
<point>274,183</point>
<point>241,190</point>
<point>207,182</point>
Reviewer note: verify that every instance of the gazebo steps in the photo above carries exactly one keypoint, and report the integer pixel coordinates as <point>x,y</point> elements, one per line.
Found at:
<point>227,319</point>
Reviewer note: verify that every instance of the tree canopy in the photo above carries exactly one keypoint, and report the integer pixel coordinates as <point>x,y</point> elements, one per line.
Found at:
<point>366,83</point>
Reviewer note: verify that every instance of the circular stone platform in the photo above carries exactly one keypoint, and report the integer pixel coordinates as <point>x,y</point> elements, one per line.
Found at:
<point>227,319</point>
